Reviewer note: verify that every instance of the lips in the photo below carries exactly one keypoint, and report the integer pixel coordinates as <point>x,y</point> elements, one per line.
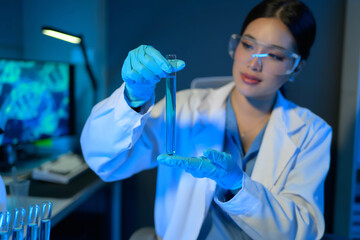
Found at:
<point>249,79</point>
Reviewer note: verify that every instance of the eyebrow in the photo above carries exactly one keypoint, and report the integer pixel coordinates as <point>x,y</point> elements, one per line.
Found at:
<point>272,45</point>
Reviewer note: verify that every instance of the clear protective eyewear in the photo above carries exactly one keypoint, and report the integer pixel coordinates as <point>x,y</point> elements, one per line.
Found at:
<point>270,58</point>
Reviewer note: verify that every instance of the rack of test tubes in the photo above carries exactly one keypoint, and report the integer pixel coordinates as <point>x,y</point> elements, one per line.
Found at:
<point>32,225</point>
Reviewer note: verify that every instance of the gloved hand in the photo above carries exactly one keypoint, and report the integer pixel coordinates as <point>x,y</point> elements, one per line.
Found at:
<point>216,165</point>
<point>142,69</point>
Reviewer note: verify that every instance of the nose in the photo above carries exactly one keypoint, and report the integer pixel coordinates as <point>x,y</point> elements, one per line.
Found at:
<point>255,62</point>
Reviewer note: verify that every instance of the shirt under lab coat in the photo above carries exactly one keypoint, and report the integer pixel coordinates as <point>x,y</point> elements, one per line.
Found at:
<point>283,199</point>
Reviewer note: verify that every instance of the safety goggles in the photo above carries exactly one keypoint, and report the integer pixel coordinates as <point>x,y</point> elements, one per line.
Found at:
<point>268,58</point>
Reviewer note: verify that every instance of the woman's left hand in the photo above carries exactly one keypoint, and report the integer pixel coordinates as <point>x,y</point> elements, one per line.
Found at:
<point>216,165</point>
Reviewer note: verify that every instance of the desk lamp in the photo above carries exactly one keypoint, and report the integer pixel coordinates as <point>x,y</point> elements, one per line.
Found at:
<point>52,32</point>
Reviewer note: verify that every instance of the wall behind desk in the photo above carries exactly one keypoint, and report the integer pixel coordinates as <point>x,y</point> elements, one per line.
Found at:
<point>197,31</point>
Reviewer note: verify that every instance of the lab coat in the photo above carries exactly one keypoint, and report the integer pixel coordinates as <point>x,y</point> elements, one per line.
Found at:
<point>283,198</point>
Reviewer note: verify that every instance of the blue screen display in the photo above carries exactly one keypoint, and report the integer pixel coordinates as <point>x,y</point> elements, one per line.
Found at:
<point>35,100</point>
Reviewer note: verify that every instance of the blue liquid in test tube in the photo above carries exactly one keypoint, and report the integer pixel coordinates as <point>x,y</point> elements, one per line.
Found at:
<point>4,235</point>
<point>4,225</point>
<point>32,232</point>
<point>45,220</point>
<point>33,219</point>
<point>170,109</point>
<point>45,226</point>
<point>19,222</point>
<point>18,234</point>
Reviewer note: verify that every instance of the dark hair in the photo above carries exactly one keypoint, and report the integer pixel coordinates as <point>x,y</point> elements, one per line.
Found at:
<point>294,14</point>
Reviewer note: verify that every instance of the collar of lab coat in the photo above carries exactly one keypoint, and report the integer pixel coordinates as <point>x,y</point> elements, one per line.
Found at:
<point>282,139</point>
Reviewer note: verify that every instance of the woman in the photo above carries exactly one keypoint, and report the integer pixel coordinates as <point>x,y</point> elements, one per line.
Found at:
<point>249,164</point>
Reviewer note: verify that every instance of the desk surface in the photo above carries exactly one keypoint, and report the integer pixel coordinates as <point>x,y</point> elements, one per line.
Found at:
<point>64,206</point>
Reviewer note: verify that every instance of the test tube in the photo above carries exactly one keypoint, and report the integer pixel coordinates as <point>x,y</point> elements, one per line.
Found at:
<point>32,225</point>
<point>18,227</point>
<point>4,225</point>
<point>170,108</point>
<point>45,220</point>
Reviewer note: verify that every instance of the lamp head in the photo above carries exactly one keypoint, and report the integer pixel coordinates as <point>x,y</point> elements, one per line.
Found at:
<point>52,32</point>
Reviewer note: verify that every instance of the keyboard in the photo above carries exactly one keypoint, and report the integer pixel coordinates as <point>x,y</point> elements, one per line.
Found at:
<point>62,170</point>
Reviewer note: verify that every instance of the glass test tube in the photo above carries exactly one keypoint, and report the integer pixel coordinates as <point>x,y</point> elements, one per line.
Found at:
<point>170,108</point>
<point>4,225</point>
<point>18,228</point>
<point>45,220</point>
<point>33,220</point>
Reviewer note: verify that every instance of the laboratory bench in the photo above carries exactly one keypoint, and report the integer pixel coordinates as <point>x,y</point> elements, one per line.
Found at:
<point>86,202</point>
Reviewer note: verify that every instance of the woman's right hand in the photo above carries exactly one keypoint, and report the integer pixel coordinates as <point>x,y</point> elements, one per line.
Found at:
<point>142,69</point>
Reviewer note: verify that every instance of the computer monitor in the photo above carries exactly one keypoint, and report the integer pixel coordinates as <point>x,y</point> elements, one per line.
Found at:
<point>36,101</point>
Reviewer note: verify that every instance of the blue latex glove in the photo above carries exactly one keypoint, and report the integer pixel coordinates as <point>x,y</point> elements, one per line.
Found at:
<point>142,69</point>
<point>216,165</point>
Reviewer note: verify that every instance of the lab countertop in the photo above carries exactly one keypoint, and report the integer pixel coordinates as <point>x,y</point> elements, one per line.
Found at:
<point>65,197</point>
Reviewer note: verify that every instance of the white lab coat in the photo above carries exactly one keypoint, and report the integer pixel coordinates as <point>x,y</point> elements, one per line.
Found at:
<point>283,199</point>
